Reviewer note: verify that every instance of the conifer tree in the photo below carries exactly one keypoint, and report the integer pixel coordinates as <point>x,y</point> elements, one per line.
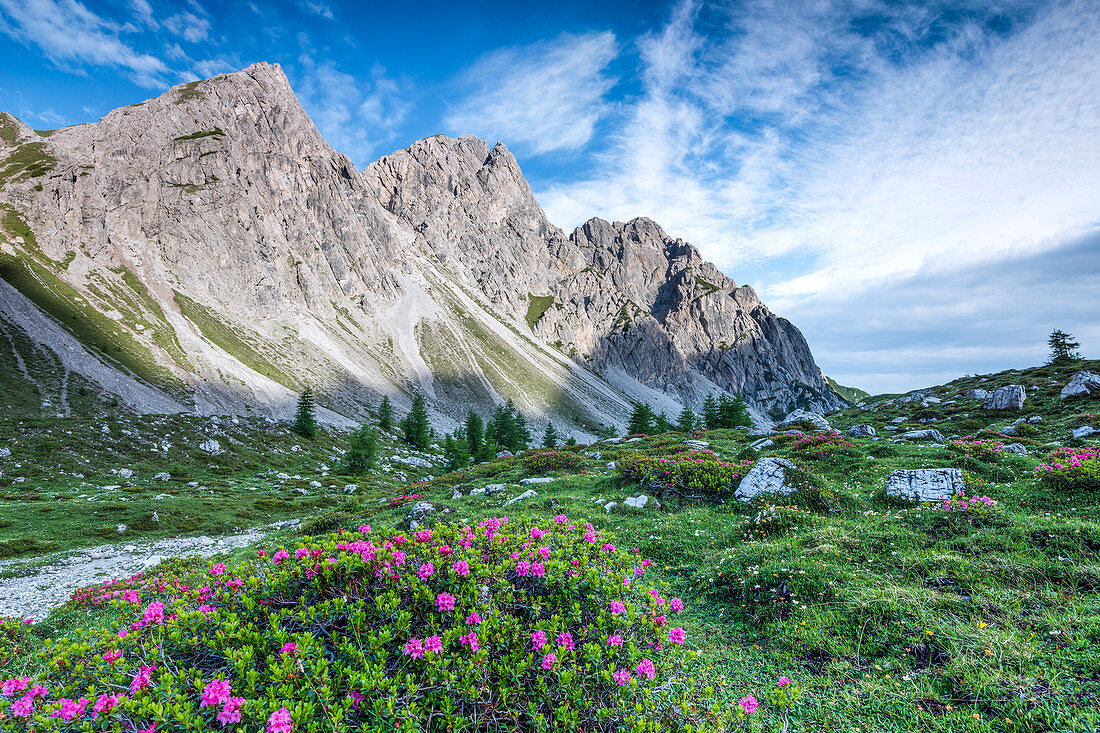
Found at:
<point>456,451</point>
<point>305,418</point>
<point>475,432</point>
<point>385,414</point>
<point>550,437</point>
<point>1063,347</point>
<point>661,425</point>
<point>711,416</point>
<point>685,422</point>
<point>641,420</point>
<point>521,437</point>
<point>415,427</point>
<point>733,412</point>
<point>362,450</point>
<point>571,441</point>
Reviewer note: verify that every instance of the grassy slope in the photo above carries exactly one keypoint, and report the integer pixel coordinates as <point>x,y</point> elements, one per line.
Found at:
<point>892,618</point>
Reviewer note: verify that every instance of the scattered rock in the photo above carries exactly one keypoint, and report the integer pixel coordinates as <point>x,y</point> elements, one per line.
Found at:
<point>762,444</point>
<point>1034,420</point>
<point>529,494</point>
<point>456,494</point>
<point>1018,448</point>
<point>640,501</point>
<point>925,484</point>
<point>1009,397</point>
<point>977,394</point>
<point>697,444</point>
<point>287,524</point>
<point>162,476</point>
<point>800,415</point>
<point>477,491</point>
<point>768,476</point>
<point>419,510</point>
<point>121,528</point>
<point>1084,431</point>
<point>1081,385</point>
<point>315,484</point>
<point>504,453</point>
<point>928,434</point>
<point>610,505</point>
<point>283,476</point>
<point>125,473</point>
<point>415,461</point>
<point>5,452</point>
<point>493,489</point>
<point>543,480</point>
<point>862,431</point>
<point>211,446</point>
<point>897,421</point>
<point>611,465</point>
<point>301,491</point>
<point>351,488</point>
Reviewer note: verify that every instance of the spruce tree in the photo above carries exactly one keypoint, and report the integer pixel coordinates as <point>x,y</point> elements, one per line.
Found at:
<point>475,432</point>
<point>1062,347</point>
<point>456,451</point>
<point>550,437</point>
<point>500,426</point>
<point>571,441</point>
<point>733,412</point>
<point>385,414</point>
<point>362,450</point>
<point>305,418</point>
<point>685,422</point>
<point>521,437</point>
<point>415,427</point>
<point>661,425</point>
<point>641,420</point>
<point>711,416</point>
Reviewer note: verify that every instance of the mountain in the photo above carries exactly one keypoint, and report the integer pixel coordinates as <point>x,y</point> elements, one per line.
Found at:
<point>850,394</point>
<point>207,251</point>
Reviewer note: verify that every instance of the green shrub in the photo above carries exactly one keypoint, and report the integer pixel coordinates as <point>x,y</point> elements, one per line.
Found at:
<point>1073,469</point>
<point>697,473</point>
<point>15,641</point>
<point>383,632</point>
<point>328,522</point>
<point>545,461</point>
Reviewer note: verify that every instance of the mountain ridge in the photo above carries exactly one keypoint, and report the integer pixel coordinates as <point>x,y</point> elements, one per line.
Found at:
<point>212,232</point>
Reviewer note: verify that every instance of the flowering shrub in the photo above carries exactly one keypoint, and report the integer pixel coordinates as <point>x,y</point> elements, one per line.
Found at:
<point>982,450</point>
<point>550,460</point>
<point>14,639</point>
<point>820,444</point>
<point>1072,468</point>
<point>697,472</point>
<point>976,506</point>
<point>502,626</point>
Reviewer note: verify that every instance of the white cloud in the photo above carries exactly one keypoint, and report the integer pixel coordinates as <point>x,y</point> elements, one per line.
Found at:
<point>355,116</point>
<point>72,36</point>
<point>753,147</point>
<point>544,97</point>
<point>188,25</point>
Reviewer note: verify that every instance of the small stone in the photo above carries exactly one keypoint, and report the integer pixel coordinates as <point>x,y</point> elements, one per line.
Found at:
<point>1082,384</point>
<point>640,501</point>
<point>819,422</point>
<point>287,524</point>
<point>493,489</point>
<point>503,454</point>
<point>1084,431</point>
<point>862,431</point>
<point>163,476</point>
<point>610,505</point>
<point>1018,448</point>
<point>456,494</point>
<point>301,491</point>
<point>5,452</point>
<point>210,446</point>
<point>927,434</point>
<point>121,528</point>
<point>125,473</point>
<point>925,484</point>
<point>768,476</point>
<point>420,510</point>
<point>529,494</point>
<point>315,484</point>
<point>1009,397</point>
<point>762,444</point>
<point>897,420</point>
<point>542,480</point>
<point>283,476</point>
<point>697,444</point>
<point>351,488</point>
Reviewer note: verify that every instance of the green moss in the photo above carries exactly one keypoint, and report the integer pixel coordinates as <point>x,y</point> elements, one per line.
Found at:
<point>707,286</point>
<point>29,160</point>
<point>9,128</point>
<point>231,340</point>
<point>44,133</point>
<point>537,306</point>
<point>216,132</point>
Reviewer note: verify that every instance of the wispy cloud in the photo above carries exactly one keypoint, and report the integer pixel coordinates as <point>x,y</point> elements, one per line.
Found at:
<point>542,97</point>
<point>74,37</point>
<point>355,115</point>
<point>190,26</point>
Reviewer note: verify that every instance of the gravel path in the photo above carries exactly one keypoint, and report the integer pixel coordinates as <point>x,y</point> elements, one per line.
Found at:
<point>42,588</point>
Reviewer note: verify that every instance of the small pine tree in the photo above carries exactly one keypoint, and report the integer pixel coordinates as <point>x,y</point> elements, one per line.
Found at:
<point>362,450</point>
<point>711,416</point>
<point>521,437</point>
<point>1062,347</point>
<point>661,425</point>
<point>550,437</point>
<point>305,417</point>
<point>475,432</point>
<point>733,412</point>
<point>415,427</point>
<point>456,451</point>
<point>500,425</point>
<point>571,441</point>
<point>385,414</point>
<point>641,420</point>
<point>685,422</point>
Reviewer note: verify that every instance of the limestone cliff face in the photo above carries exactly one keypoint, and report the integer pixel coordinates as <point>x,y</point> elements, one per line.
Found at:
<point>209,243</point>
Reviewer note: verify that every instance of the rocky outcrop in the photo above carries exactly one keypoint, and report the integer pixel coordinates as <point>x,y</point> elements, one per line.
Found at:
<point>862,431</point>
<point>1009,397</point>
<point>929,434</point>
<point>1082,384</point>
<point>229,257</point>
<point>925,484</point>
<point>804,416</point>
<point>768,476</point>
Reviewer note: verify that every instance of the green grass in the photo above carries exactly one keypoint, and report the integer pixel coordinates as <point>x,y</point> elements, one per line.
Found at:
<point>216,132</point>
<point>29,160</point>
<point>851,394</point>
<point>188,92</point>
<point>537,305</point>
<point>231,340</point>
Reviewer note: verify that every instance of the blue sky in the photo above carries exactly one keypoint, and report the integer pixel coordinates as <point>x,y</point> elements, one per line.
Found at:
<point>915,185</point>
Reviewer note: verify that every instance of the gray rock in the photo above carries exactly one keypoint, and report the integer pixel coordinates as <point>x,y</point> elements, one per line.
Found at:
<point>1018,448</point>
<point>610,505</point>
<point>315,484</point>
<point>351,488</point>
<point>163,476</point>
<point>610,441</point>
<point>503,454</point>
<point>1082,384</point>
<point>529,481</point>
<point>862,431</point>
<point>800,415</point>
<point>1009,397</point>
<point>419,510</point>
<point>456,494</point>
<point>762,444</point>
<point>120,528</point>
<point>1009,430</point>
<point>283,476</point>
<point>898,420</point>
<point>211,446</point>
<point>611,465</point>
<point>415,461</point>
<point>287,524</point>
<point>494,489</point>
<point>641,501</point>
<point>1035,420</point>
<point>918,396</point>
<point>5,452</point>
<point>977,394</point>
<point>928,434</point>
<point>768,476</point>
<point>477,491</point>
<point>697,444</point>
<point>529,494</point>
<point>125,473</point>
<point>301,491</point>
<point>925,484</point>
<point>1084,431</point>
